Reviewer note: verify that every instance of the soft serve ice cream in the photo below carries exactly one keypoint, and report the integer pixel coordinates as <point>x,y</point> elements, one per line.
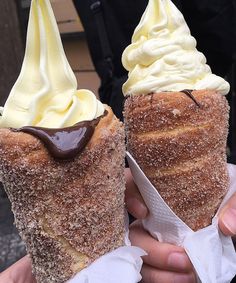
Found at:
<point>163,55</point>
<point>45,93</point>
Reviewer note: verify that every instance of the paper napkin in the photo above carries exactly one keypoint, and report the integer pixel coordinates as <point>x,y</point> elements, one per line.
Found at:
<point>211,253</point>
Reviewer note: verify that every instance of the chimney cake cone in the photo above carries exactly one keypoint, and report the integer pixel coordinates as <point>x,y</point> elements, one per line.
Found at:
<point>62,159</point>
<point>181,147</point>
<point>69,213</point>
<point>176,115</point>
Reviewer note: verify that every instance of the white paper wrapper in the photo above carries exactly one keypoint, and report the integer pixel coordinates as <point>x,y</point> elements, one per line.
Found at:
<point>212,254</point>
<point>122,265</point>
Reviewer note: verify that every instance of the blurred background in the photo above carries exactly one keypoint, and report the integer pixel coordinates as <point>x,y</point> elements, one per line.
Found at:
<point>13,24</point>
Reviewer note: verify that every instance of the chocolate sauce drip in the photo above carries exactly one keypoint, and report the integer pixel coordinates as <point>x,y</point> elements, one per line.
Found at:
<point>65,143</point>
<point>188,92</point>
<point>151,100</point>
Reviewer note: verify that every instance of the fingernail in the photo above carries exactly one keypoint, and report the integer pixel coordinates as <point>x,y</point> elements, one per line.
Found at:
<point>229,220</point>
<point>178,261</point>
<point>184,278</point>
<point>136,208</point>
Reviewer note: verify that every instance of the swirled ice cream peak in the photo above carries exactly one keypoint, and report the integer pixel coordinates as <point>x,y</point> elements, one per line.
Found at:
<point>45,93</point>
<point>163,55</point>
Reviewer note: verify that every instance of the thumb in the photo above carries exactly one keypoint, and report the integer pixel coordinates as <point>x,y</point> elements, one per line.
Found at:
<point>227,217</point>
<point>133,200</point>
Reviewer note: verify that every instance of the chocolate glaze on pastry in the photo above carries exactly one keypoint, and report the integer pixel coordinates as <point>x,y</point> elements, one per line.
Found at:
<point>65,143</point>
<point>188,92</point>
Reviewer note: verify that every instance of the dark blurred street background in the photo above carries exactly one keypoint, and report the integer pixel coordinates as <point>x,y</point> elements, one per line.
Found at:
<point>11,47</point>
<point>11,246</point>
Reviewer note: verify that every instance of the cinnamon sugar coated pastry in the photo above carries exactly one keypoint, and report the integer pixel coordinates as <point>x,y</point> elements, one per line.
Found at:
<point>176,115</point>
<point>62,159</point>
<point>181,148</point>
<point>69,213</point>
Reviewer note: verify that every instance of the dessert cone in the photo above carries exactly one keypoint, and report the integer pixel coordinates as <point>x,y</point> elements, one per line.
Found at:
<point>179,141</point>
<point>68,212</point>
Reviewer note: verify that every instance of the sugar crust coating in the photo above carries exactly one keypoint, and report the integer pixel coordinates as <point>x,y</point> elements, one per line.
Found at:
<point>182,149</point>
<point>68,212</point>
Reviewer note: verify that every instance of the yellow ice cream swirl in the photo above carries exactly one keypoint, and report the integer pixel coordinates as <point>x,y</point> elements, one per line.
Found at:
<point>45,93</point>
<point>163,55</point>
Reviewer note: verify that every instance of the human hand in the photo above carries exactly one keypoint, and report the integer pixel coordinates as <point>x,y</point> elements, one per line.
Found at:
<point>20,272</point>
<point>133,200</point>
<point>164,262</point>
<point>156,266</point>
<point>227,217</point>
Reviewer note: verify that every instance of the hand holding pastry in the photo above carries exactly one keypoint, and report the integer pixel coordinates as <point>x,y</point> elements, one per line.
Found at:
<point>227,215</point>
<point>157,267</point>
<point>164,262</point>
<point>176,120</point>
<point>133,199</point>
<point>157,264</point>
